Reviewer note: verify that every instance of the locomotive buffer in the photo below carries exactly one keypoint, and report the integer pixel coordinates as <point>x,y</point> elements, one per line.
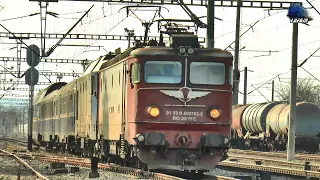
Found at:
<point>32,78</point>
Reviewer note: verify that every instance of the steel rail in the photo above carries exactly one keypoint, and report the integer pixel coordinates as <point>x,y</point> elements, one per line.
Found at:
<point>18,141</point>
<point>273,169</point>
<point>25,164</point>
<point>81,162</point>
<point>270,165</point>
<point>304,157</point>
<point>275,162</point>
<point>120,169</point>
<point>111,168</point>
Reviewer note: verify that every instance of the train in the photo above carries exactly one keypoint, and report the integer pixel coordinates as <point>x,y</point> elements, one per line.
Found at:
<point>264,126</point>
<point>153,106</point>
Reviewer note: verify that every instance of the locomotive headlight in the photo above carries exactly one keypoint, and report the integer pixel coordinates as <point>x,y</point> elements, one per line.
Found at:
<point>182,50</point>
<point>190,50</point>
<point>153,112</point>
<point>215,113</point>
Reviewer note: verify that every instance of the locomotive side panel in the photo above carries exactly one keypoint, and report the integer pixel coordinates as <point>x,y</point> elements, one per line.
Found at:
<point>84,106</point>
<point>110,102</point>
<point>131,99</point>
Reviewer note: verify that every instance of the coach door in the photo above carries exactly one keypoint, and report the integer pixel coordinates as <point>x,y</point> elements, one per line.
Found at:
<point>75,110</point>
<point>53,119</point>
<point>94,105</point>
<point>39,119</point>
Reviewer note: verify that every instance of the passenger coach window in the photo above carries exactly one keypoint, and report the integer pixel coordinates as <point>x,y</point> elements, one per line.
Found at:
<point>168,72</point>
<point>209,73</point>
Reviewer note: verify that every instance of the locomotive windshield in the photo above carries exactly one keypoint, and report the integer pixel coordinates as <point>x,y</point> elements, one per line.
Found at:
<point>168,72</point>
<point>209,73</point>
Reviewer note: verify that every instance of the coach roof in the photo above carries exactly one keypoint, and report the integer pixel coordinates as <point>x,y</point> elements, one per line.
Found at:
<point>41,94</point>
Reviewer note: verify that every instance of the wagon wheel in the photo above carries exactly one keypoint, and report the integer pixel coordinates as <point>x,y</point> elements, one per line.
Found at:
<point>270,144</point>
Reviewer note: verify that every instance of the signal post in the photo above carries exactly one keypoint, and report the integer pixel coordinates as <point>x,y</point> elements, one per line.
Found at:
<point>31,78</point>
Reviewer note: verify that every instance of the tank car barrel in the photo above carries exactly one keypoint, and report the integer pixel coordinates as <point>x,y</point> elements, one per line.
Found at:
<point>254,117</point>
<point>269,123</point>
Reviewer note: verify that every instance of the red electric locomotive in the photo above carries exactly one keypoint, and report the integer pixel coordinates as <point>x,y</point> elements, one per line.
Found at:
<point>176,104</point>
<point>164,107</point>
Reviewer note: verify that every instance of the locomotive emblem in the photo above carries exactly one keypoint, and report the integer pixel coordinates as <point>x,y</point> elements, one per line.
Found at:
<point>185,94</point>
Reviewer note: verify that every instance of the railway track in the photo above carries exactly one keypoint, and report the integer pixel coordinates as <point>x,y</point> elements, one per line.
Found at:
<point>243,159</point>
<point>305,165</point>
<point>301,157</point>
<point>22,162</point>
<point>21,142</point>
<point>275,162</point>
<point>273,169</point>
<point>83,162</point>
<point>124,170</point>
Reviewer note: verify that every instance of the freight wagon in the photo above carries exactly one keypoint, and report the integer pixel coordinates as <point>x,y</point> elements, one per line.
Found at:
<point>264,126</point>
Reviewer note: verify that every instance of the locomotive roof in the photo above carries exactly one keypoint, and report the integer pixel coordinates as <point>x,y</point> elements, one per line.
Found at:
<point>41,94</point>
<point>160,51</point>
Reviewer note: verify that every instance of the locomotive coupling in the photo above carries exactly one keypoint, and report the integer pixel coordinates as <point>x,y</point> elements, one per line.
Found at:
<point>183,140</point>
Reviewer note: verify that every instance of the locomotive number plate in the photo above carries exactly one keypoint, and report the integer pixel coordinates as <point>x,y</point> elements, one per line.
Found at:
<point>184,115</point>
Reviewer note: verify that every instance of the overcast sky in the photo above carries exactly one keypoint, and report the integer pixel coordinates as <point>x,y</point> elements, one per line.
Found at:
<point>273,32</point>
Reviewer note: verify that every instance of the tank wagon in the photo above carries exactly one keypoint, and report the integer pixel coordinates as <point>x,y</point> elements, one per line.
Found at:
<point>164,107</point>
<point>264,126</point>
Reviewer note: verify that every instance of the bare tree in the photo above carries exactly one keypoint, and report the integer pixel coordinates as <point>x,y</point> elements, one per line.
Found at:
<point>9,116</point>
<point>307,90</point>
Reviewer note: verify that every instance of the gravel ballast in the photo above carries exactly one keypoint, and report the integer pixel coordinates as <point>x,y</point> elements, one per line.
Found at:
<point>9,170</point>
<point>230,173</point>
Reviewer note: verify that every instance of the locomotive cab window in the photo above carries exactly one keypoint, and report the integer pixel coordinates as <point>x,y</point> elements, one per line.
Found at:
<point>208,73</point>
<point>164,72</point>
<point>135,73</point>
<point>231,75</point>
